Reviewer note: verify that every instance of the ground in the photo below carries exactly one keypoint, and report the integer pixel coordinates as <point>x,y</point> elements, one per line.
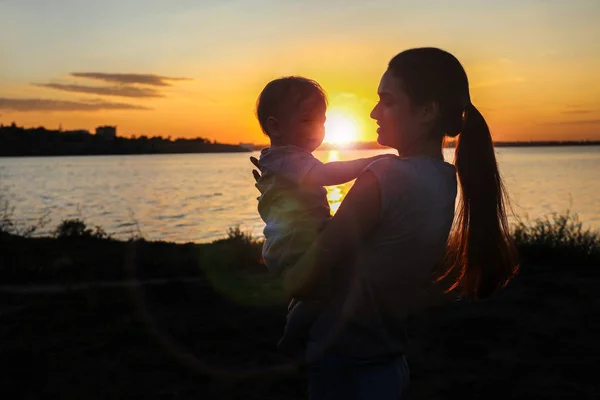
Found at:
<point>212,335</point>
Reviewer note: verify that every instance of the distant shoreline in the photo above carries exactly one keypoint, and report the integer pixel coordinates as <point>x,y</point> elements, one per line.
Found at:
<point>229,149</point>
<point>547,144</point>
<point>18,141</point>
<point>40,142</point>
<point>377,146</point>
<point>127,154</point>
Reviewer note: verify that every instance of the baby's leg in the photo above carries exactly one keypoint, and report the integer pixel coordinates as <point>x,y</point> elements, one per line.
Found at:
<point>302,313</point>
<point>300,318</point>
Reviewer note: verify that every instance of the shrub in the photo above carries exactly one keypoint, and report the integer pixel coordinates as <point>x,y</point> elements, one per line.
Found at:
<point>74,228</point>
<point>243,251</point>
<point>235,269</point>
<point>235,234</point>
<point>560,238</point>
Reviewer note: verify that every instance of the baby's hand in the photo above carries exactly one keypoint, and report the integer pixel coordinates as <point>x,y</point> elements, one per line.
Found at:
<point>292,304</point>
<point>255,173</point>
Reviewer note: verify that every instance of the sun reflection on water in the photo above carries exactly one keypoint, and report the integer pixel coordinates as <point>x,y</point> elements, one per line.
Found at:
<point>335,194</point>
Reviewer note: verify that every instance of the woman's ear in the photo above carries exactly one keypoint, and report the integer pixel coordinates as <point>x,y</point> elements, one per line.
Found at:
<point>430,112</point>
<point>273,127</point>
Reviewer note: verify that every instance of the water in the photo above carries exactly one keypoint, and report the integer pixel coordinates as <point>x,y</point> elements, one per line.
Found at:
<point>197,197</point>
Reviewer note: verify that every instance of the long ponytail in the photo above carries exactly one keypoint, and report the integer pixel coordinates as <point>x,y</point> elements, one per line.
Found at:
<point>481,255</point>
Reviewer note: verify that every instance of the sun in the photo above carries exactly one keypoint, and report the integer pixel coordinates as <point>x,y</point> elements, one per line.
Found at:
<point>340,128</point>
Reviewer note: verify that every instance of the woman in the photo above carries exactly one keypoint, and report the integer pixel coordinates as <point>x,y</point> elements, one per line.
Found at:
<point>385,242</point>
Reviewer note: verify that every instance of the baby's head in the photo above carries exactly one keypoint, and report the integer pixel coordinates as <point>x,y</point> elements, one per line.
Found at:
<point>291,111</point>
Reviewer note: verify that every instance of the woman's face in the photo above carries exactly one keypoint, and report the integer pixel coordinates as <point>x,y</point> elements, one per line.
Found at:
<point>399,122</point>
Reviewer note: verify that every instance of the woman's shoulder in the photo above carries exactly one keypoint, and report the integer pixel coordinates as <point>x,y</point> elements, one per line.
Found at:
<point>410,166</point>
<point>397,176</point>
<point>392,166</point>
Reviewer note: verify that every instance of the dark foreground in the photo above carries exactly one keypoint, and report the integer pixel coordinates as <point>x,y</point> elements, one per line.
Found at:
<point>212,335</point>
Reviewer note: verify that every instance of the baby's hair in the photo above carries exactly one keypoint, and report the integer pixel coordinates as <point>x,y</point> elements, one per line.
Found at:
<point>283,95</point>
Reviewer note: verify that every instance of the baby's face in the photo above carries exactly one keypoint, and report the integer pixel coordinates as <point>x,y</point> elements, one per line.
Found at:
<point>305,126</point>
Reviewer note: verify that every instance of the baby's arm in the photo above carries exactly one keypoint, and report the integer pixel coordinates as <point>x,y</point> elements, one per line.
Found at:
<point>338,172</point>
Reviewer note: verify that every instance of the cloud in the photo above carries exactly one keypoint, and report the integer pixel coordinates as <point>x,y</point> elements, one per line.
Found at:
<point>346,95</point>
<point>575,122</point>
<point>121,91</point>
<point>26,105</point>
<point>500,82</point>
<point>126,87</point>
<point>345,99</point>
<point>547,53</point>
<point>577,111</point>
<point>486,110</point>
<point>143,79</point>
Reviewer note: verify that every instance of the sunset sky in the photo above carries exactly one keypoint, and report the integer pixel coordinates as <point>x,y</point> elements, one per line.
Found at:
<point>190,68</point>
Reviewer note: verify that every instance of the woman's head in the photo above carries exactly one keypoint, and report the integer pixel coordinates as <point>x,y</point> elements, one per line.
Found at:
<point>424,95</point>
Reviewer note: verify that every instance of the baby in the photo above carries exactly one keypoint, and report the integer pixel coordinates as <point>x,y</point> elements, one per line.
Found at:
<point>293,201</point>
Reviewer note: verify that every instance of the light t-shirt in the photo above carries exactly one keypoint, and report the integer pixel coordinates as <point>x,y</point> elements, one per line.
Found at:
<point>294,212</point>
<point>373,295</point>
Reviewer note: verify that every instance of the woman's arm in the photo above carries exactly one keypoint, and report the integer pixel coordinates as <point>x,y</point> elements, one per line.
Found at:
<point>341,238</point>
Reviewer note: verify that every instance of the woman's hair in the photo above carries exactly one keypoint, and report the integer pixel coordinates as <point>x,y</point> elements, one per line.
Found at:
<point>283,95</point>
<point>481,255</point>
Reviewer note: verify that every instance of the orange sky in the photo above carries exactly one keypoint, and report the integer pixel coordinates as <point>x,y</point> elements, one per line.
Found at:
<point>532,65</point>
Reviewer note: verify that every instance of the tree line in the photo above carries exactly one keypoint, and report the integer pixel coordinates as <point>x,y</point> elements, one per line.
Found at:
<point>19,141</point>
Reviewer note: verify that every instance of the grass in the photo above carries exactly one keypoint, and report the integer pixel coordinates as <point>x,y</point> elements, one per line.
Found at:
<point>77,252</point>
<point>8,225</point>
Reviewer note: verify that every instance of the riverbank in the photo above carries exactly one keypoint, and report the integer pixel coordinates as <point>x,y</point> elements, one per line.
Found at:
<point>202,320</point>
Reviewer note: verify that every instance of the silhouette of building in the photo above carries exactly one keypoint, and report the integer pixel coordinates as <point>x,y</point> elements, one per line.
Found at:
<point>249,146</point>
<point>77,132</point>
<point>109,132</point>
